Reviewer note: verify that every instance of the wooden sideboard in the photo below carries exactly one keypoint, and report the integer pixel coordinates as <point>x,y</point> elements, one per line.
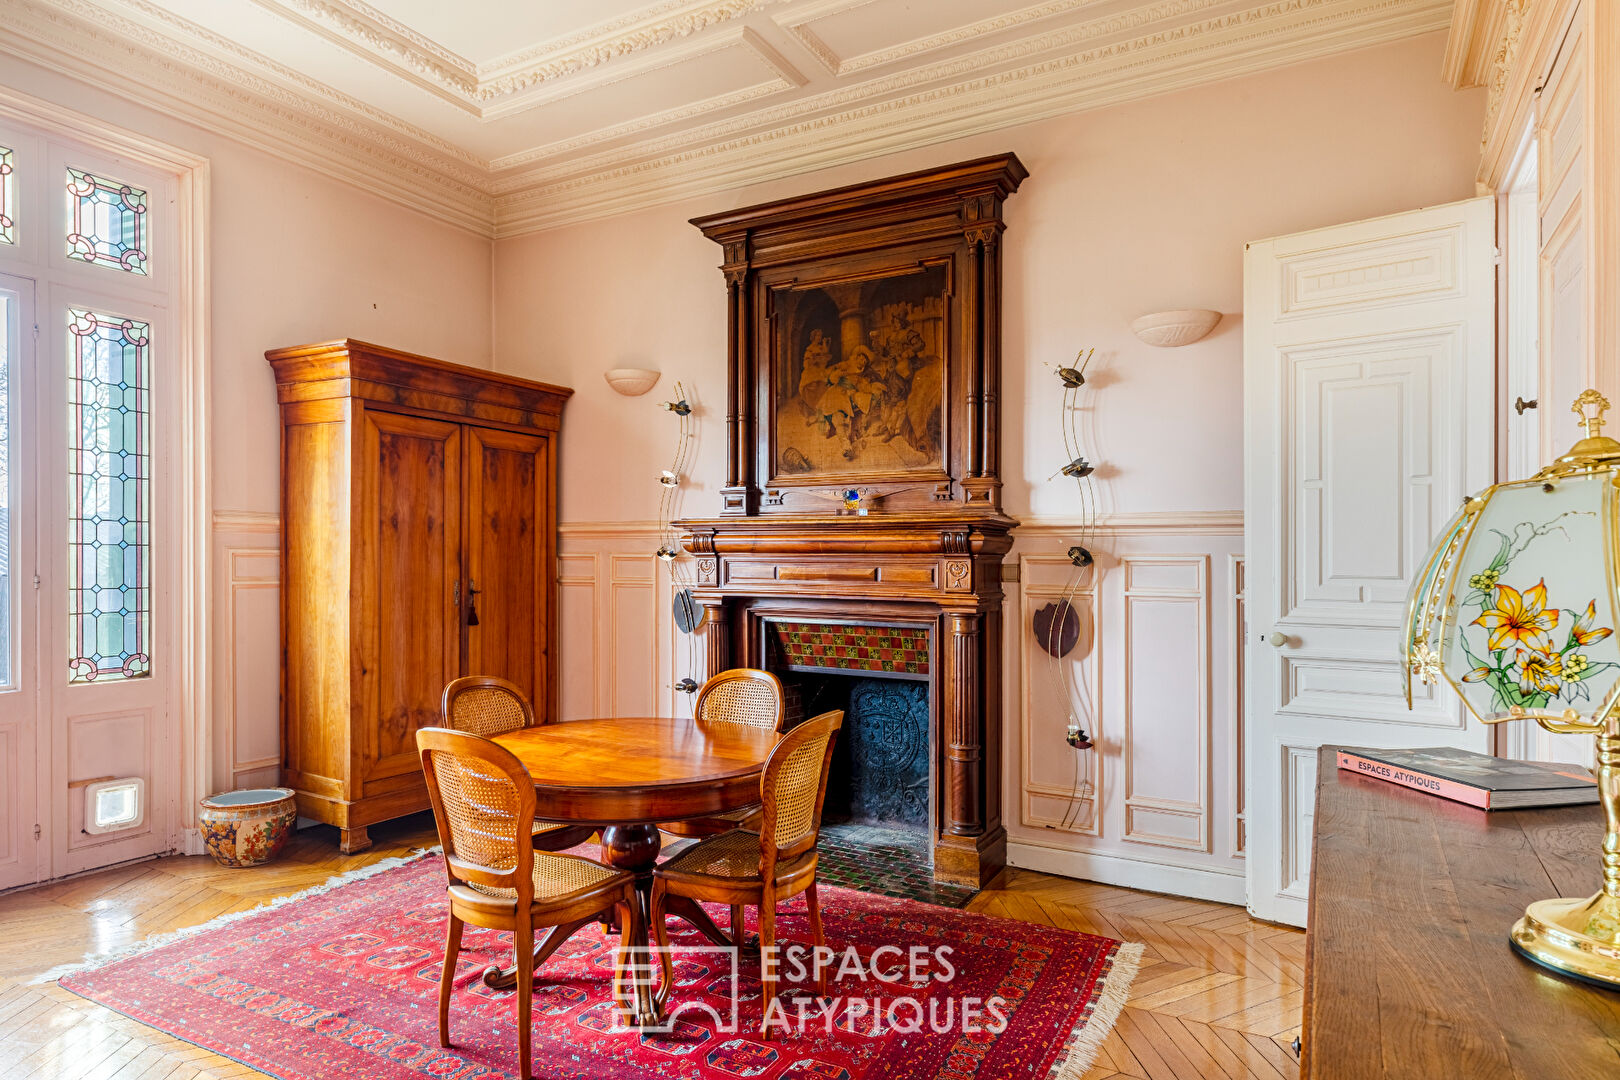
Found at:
<point>1408,972</point>
<point>418,543</point>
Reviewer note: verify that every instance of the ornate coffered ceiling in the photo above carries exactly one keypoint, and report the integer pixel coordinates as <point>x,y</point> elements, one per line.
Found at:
<point>508,116</point>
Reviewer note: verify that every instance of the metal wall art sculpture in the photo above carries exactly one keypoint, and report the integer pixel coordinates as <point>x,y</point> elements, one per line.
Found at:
<point>1057,624</point>
<point>686,610</point>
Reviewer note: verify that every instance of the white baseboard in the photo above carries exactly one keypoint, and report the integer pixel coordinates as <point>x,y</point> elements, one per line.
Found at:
<point>1216,885</point>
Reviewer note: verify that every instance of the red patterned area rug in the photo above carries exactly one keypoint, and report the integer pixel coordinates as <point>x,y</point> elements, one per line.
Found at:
<point>342,982</point>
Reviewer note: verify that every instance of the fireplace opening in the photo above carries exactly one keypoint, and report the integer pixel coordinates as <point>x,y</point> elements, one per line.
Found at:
<point>877,821</point>
<point>879,774</point>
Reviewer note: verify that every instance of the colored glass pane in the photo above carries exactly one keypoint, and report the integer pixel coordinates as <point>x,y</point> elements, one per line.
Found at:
<point>110,497</point>
<point>107,222</point>
<point>8,197</point>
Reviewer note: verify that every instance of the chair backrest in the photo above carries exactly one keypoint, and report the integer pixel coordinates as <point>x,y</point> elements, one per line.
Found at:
<point>483,803</point>
<point>485,705</point>
<point>793,787</point>
<point>741,696</point>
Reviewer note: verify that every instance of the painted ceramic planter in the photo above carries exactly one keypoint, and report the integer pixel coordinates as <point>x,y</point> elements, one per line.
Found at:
<point>246,828</point>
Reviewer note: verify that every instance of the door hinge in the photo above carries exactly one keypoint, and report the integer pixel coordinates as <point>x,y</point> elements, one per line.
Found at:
<point>36,581</point>
<point>37,832</point>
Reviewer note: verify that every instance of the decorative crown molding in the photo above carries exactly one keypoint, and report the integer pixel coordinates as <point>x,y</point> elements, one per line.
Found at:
<point>855,122</point>
<point>140,49</point>
<point>372,35</point>
<point>247,97</point>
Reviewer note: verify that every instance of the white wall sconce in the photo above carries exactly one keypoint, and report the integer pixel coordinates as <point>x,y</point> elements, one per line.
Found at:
<point>631,381</point>
<point>1169,329</point>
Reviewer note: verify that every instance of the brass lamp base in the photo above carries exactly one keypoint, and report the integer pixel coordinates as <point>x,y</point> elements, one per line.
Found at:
<point>1576,937</point>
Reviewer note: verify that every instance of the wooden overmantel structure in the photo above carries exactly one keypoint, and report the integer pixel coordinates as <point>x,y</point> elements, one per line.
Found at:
<point>864,342</point>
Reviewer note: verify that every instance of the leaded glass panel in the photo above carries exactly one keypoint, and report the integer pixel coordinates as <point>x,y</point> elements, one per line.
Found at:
<point>110,497</point>
<point>8,196</point>
<point>107,222</point>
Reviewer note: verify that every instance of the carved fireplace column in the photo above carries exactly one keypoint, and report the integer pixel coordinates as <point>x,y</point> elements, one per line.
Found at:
<point>716,636</point>
<point>964,725</point>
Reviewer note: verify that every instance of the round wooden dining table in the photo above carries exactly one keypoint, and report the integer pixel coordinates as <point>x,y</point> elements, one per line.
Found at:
<point>627,774</point>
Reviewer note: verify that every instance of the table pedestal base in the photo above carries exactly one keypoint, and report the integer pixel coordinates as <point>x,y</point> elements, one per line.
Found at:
<point>632,848</point>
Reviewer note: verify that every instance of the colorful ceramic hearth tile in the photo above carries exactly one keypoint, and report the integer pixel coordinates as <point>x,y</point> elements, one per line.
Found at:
<point>343,984</point>
<point>842,647</point>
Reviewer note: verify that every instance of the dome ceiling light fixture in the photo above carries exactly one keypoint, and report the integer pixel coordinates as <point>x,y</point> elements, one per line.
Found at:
<point>1172,329</point>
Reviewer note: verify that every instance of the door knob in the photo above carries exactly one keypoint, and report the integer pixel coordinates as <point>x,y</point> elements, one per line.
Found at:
<point>1277,638</point>
<point>1519,405</point>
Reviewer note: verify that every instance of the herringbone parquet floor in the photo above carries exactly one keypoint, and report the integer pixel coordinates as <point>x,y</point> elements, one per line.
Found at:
<point>1218,995</point>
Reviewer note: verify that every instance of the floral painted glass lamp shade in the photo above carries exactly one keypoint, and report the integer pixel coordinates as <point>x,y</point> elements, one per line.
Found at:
<point>1532,630</point>
<point>1516,609</point>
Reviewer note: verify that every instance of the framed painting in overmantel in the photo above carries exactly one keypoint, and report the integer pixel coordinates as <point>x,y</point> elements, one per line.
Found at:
<point>860,378</point>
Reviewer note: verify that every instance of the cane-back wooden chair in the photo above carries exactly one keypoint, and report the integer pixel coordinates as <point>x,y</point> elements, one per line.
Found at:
<point>760,868</point>
<point>487,706</point>
<point>739,696</point>
<point>484,803</point>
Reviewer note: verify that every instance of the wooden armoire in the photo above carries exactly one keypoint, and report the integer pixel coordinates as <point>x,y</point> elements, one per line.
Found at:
<point>418,544</point>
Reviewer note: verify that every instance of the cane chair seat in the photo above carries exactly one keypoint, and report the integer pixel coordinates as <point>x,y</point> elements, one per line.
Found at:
<point>542,827</point>
<point>558,877</point>
<point>746,817</point>
<point>733,855</point>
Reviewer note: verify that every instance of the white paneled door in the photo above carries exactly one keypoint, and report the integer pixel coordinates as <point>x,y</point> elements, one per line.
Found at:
<point>1369,365</point>
<point>20,840</point>
<point>90,518</point>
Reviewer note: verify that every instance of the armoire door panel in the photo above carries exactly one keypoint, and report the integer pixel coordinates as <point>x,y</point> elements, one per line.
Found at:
<point>383,517</point>
<point>509,559</point>
<point>413,502</point>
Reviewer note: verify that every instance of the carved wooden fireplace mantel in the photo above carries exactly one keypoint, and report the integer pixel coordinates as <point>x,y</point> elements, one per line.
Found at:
<point>863,454</point>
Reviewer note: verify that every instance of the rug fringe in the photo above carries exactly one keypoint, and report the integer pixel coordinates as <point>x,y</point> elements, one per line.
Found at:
<point>101,960</point>
<point>1088,1036</point>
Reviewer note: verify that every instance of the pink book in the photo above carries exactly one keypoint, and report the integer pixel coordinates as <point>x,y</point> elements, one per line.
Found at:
<point>1490,783</point>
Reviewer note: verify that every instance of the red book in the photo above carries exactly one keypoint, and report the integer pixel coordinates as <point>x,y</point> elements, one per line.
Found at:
<point>1490,783</point>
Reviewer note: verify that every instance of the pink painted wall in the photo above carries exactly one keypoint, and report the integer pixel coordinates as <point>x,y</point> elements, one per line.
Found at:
<point>296,257</point>
<point>1127,210</point>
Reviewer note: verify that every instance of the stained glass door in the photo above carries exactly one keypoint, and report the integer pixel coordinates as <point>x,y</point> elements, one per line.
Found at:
<point>19,686</point>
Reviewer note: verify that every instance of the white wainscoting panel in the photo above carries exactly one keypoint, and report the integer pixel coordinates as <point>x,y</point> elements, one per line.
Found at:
<point>618,653</point>
<point>1060,792</point>
<point>1155,804</point>
<point>1167,714</point>
<point>246,633</point>
<point>1296,764</point>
